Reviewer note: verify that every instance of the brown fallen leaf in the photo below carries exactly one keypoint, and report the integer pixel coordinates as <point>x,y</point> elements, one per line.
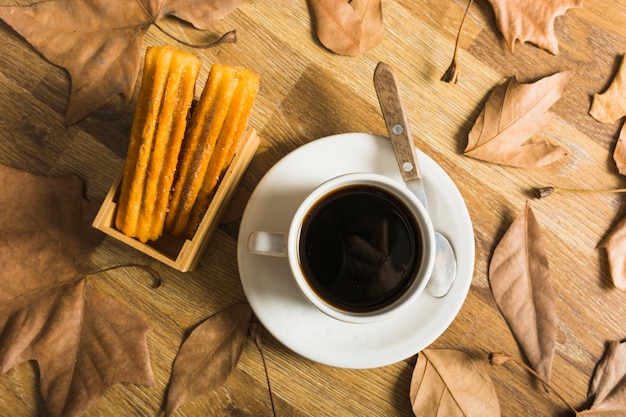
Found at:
<point>83,341</point>
<point>348,27</point>
<point>531,20</point>
<point>99,42</point>
<point>614,243</point>
<point>608,385</point>
<point>520,281</point>
<point>496,358</point>
<point>619,154</point>
<point>607,389</point>
<point>513,113</point>
<point>209,355</point>
<point>454,70</point>
<point>449,382</point>
<point>610,106</point>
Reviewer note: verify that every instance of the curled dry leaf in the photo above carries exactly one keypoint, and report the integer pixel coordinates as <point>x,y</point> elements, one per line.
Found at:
<point>610,106</point>
<point>615,245</point>
<point>99,42</point>
<point>514,112</point>
<point>531,20</point>
<point>496,358</point>
<point>520,281</point>
<point>448,382</point>
<point>453,72</point>
<point>208,356</point>
<point>608,385</point>
<point>348,27</point>
<point>83,341</point>
<point>619,154</point>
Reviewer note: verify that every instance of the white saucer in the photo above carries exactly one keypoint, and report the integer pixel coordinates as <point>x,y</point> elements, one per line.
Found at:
<point>273,294</point>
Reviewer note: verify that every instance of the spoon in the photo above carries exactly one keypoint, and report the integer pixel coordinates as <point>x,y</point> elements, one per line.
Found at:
<point>444,272</point>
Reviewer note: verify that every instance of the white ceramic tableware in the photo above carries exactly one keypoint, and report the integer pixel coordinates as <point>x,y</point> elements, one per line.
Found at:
<point>400,282</point>
<point>273,294</point>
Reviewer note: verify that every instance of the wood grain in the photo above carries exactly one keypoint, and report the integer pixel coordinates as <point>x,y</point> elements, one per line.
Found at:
<point>306,93</point>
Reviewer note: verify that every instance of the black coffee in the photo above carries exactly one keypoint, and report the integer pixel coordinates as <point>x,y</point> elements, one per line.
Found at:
<point>359,248</point>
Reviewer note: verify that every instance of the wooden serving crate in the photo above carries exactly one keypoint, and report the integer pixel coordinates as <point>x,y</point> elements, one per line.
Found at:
<point>177,252</point>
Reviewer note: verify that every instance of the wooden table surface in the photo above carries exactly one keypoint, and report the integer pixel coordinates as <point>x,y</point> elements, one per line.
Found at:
<point>307,93</point>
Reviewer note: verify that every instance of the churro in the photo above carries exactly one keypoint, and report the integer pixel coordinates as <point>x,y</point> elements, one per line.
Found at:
<point>197,190</point>
<point>166,94</point>
<point>175,161</point>
<point>205,126</point>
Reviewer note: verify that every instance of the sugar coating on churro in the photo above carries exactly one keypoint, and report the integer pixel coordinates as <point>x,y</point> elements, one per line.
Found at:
<point>205,126</point>
<point>166,94</point>
<point>175,162</point>
<point>210,162</point>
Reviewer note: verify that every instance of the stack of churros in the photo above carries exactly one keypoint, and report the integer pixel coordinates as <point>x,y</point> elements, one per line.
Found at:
<point>173,168</point>
<point>216,128</point>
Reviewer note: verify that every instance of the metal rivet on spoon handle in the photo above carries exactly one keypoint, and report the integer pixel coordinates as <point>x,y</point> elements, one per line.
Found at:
<point>444,272</point>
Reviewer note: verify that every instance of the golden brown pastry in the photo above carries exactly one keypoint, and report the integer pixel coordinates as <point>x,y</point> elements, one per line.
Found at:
<point>165,97</point>
<point>205,126</point>
<point>216,129</point>
<point>174,167</point>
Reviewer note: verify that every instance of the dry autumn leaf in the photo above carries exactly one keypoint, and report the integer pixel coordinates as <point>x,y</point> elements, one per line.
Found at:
<point>82,341</point>
<point>448,382</point>
<point>608,385</point>
<point>524,20</point>
<point>610,106</point>
<point>513,113</point>
<point>209,355</point>
<point>99,42</point>
<point>348,27</point>
<point>531,20</point>
<point>619,154</point>
<point>520,281</point>
<point>607,390</point>
<point>454,70</point>
<point>614,244</point>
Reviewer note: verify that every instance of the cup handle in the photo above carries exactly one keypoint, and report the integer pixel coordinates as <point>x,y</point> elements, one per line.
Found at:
<point>267,243</point>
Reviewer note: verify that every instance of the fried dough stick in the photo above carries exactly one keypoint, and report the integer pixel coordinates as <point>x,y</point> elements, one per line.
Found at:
<point>156,68</point>
<point>179,94</point>
<point>227,143</point>
<point>168,87</point>
<point>205,126</point>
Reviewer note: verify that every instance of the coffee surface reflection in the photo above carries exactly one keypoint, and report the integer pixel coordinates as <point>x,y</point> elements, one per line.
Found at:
<point>359,248</point>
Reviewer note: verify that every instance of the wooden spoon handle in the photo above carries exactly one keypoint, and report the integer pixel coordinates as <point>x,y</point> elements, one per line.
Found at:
<point>386,86</point>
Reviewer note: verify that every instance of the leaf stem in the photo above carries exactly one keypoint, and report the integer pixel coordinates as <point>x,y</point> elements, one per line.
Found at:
<point>544,192</point>
<point>157,281</point>
<point>228,37</point>
<point>452,73</point>
<point>256,330</point>
<point>496,358</point>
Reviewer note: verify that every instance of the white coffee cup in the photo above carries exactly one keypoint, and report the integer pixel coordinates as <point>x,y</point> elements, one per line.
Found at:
<point>360,247</point>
